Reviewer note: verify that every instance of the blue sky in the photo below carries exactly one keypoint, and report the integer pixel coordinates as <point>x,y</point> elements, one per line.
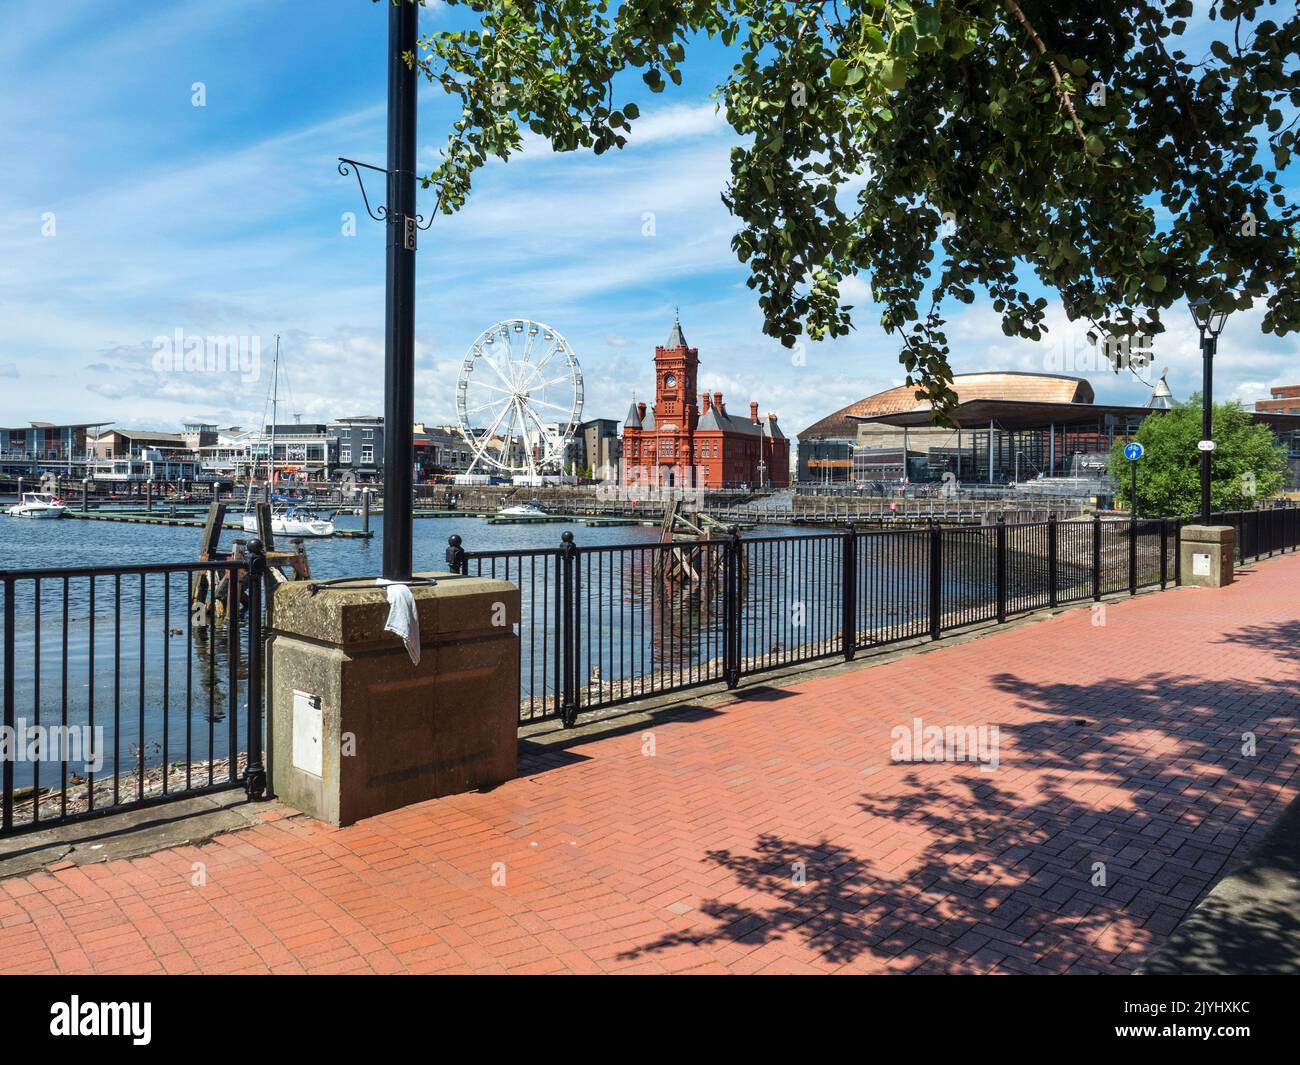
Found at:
<point>127,213</point>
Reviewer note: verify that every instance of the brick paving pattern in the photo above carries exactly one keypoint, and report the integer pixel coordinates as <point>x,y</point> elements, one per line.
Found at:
<point>773,833</point>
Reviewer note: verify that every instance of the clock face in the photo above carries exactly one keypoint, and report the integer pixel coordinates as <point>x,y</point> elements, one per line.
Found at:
<point>670,381</point>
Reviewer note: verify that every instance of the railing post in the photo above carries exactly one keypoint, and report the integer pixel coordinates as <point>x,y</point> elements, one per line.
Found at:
<point>1132,552</point>
<point>255,771</point>
<point>1000,566</point>
<point>849,593</point>
<point>568,631</point>
<point>1178,552</point>
<point>731,607</point>
<point>1053,562</point>
<point>1164,553</point>
<point>7,803</point>
<point>1096,556</point>
<point>936,579</point>
<point>457,558</point>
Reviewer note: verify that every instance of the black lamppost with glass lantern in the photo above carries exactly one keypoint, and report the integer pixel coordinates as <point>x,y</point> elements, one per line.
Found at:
<point>1210,323</point>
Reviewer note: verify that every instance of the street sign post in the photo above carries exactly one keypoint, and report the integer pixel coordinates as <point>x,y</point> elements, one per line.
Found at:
<point>1133,451</point>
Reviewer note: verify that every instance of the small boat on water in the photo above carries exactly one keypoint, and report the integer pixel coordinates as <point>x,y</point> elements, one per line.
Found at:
<point>37,505</point>
<point>531,509</point>
<point>293,521</point>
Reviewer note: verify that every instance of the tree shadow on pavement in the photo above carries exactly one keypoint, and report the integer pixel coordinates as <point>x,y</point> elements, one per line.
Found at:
<point>1113,811</point>
<point>1282,640</point>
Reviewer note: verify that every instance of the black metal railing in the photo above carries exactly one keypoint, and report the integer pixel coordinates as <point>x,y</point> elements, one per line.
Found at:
<point>606,625</point>
<point>125,686</point>
<point>129,685</point>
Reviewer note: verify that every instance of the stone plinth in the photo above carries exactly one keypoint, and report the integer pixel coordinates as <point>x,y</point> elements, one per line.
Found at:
<point>357,729</point>
<point>1206,554</point>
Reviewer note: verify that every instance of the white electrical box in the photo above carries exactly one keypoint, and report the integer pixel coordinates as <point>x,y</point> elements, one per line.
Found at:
<point>1200,564</point>
<point>308,733</point>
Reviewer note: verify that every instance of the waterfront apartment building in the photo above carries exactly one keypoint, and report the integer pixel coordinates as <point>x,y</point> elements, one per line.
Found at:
<point>1284,399</point>
<point>126,443</point>
<point>304,451</point>
<point>594,451</point>
<point>360,445</point>
<point>440,449</point>
<point>43,447</point>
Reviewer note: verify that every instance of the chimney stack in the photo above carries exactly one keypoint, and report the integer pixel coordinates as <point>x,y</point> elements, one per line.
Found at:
<point>640,411</point>
<point>753,411</point>
<point>717,402</point>
<point>704,403</point>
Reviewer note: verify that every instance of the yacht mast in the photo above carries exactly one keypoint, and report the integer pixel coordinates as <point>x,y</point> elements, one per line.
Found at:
<point>275,396</point>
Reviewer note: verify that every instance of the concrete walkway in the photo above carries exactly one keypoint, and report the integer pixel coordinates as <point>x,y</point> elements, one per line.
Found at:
<point>1137,761</point>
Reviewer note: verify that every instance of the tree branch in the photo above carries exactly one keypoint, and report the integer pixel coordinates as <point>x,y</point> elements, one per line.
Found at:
<point>1061,94</point>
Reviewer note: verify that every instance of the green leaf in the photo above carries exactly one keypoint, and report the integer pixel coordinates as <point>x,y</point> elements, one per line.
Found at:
<point>893,74</point>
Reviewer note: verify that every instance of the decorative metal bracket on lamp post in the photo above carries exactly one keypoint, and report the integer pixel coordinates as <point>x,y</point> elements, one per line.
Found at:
<point>380,212</point>
<point>1210,323</point>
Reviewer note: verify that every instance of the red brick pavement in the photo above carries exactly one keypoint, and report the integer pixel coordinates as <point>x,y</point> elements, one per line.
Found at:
<point>1119,744</point>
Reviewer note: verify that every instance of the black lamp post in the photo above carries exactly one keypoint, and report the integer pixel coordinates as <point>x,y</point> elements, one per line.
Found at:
<point>399,319</point>
<point>399,325</point>
<point>1210,323</point>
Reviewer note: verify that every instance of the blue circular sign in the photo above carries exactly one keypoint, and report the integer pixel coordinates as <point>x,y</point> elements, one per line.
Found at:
<point>1134,451</point>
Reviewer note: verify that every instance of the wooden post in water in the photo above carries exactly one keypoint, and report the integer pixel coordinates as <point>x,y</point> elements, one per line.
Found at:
<point>264,532</point>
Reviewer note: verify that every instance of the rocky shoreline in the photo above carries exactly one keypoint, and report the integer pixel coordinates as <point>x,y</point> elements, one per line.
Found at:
<point>80,792</point>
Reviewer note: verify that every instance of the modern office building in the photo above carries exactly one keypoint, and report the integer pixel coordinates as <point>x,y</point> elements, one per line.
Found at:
<point>1006,427</point>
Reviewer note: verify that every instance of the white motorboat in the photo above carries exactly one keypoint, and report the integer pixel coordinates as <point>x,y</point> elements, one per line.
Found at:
<point>531,509</point>
<point>37,505</point>
<point>293,521</point>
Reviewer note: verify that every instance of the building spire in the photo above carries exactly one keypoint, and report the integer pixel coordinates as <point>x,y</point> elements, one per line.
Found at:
<point>633,419</point>
<point>1162,397</point>
<point>675,338</point>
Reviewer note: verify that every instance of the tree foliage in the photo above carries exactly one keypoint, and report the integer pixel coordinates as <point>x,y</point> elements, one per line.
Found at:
<point>1249,466</point>
<point>935,149</point>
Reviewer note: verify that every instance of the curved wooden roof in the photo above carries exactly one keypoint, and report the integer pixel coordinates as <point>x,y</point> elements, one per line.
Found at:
<point>997,385</point>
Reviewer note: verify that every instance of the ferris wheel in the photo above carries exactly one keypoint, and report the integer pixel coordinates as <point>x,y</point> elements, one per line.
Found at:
<point>519,397</point>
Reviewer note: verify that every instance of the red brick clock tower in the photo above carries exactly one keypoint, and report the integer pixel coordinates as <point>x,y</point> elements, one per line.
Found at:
<point>675,411</point>
<point>685,442</point>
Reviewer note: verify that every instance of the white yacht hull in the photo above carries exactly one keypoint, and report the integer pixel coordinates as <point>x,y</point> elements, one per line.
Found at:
<point>281,526</point>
